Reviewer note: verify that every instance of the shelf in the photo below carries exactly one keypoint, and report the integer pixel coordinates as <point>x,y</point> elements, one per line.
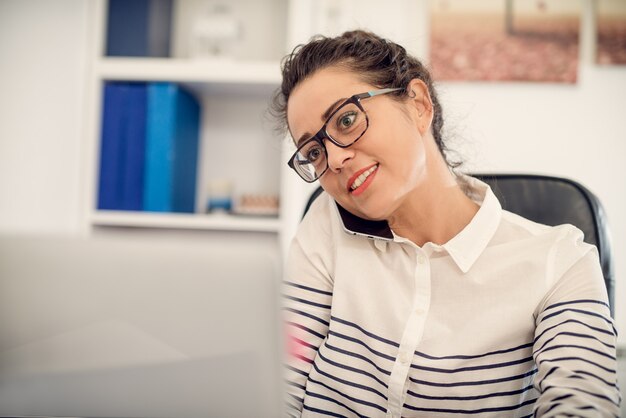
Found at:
<point>189,70</point>
<point>220,221</point>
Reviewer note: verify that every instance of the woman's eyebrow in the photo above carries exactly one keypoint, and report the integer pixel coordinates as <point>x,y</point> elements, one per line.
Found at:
<point>324,117</point>
<point>331,108</point>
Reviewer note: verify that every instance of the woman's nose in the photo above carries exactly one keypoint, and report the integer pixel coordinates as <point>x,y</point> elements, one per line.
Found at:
<point>338,157</point>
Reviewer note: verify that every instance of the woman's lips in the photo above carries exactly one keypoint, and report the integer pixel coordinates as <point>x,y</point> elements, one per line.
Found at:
<point>361,180</point>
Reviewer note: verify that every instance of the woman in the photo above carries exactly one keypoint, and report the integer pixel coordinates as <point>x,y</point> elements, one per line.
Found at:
<point>409,291</point>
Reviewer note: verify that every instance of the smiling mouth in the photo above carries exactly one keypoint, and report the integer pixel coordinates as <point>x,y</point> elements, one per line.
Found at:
<point>362,177</point>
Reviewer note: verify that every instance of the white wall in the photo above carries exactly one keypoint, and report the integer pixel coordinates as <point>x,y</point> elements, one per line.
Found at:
<point>577,131</point>
<point>42,84</point>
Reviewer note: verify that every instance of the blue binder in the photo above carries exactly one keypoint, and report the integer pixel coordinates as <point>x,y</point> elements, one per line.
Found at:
<point>121,180</point>
<point>139,28</point>
<point>173,122</point>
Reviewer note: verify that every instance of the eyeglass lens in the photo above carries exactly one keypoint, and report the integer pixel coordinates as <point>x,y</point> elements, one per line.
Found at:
<point>344,127</point>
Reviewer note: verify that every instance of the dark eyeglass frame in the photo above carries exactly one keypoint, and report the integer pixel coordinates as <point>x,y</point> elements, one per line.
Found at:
<point>323,134</point>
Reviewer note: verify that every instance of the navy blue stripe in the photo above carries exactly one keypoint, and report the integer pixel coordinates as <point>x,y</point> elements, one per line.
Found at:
<point>473,411</point>
<point>587,407</point>
<point>335,401</point>
<point>347,382</point>
<point>357,341</point>
<point>303,358</point>
<point>356,355</point>
<point>301,400</point>
<point>473,368</point>
<point>585,372</point>
<point>597,315</point>
<point>351,369</point>
<point>320,411</point>
<point>552,407</point>
<point>308,315</point>
<point>304,343</point>
<point>562,397</point>
<point>309,330</point>
<point>575,334</point>
<point>555,347</point>
<point>557,399</point>
<point>293,369</point>
<point>474,382</point>
<point>599,302</point>
<point>352,398</point>
<point>311,289</point>
<point>603,331</point>
<point>299,386</point>
<point>307,302</point>
<point>295,411</point>
<point>577,359</point>
<point>466,357</point>
<point>369,334</point>
<point>430,357</point>
<point>552,370</point>
<point>471,398</point>
<point>596,395</point>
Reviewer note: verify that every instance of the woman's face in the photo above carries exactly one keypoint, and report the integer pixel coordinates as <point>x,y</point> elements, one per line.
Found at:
<point>390,155</point>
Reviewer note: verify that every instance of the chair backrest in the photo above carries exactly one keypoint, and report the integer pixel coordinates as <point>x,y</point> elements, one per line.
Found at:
<point>552,201</point>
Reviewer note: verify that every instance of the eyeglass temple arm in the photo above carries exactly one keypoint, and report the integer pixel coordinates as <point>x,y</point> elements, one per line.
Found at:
<point>378,92</point>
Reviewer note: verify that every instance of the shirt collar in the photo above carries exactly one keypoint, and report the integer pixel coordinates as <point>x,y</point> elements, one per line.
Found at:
<point>465,247</point>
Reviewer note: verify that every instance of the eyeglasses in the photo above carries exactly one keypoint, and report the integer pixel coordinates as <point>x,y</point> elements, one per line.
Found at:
<point>344,127</point>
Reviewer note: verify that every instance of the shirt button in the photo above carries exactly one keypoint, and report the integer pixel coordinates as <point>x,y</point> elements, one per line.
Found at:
<point>405,358</point>
<point>421,259</point>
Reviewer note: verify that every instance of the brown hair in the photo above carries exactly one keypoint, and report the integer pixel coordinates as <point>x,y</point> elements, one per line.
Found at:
<point>376,60</point>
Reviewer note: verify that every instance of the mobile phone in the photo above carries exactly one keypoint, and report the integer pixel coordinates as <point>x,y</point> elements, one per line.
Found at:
<point>352,224</point>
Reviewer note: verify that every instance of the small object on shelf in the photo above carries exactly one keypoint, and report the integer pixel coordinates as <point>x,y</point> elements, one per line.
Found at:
<point>213,33</point>
<point>139,28</point>
<point>220,196</point>
<point>257,204</point>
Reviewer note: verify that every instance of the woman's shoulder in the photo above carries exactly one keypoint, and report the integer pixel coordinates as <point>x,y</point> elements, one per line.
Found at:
<point>517,226</point>
<point>562,245</point>
<point>318,219</point>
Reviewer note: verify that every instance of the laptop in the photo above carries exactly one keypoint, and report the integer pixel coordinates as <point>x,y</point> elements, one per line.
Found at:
<point>102,327</point>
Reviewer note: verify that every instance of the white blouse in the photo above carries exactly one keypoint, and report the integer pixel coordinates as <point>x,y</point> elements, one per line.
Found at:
<point>508,319</point>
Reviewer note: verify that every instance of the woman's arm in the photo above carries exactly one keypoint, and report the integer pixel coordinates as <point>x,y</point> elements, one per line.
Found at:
<point>574,345</point>
<point>307,298</point>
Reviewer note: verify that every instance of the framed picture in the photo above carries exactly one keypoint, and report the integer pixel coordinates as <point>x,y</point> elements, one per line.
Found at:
<point>505,40</point>
<point>611,32</point>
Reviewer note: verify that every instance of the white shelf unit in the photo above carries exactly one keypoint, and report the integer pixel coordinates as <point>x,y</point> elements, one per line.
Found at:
<point>230,72</point>
<point>218,221</point>
<point>237,141</point>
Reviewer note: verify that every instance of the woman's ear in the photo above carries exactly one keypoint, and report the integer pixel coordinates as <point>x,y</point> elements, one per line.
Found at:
<point>419,97</point>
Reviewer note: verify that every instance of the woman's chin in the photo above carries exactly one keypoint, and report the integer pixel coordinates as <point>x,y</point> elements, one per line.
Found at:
<point>371,213</point>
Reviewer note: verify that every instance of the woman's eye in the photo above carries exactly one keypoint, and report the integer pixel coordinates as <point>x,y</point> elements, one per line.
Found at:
<point>346,120</point>
<point>313,154</point>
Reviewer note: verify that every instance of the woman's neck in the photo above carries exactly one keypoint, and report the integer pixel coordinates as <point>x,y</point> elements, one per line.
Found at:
<point>437,210</point>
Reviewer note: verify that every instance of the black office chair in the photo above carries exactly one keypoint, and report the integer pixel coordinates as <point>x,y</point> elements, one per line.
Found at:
<point>552,201</point>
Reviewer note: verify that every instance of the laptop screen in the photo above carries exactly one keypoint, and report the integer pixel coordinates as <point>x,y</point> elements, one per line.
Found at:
<point>130,328</point>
